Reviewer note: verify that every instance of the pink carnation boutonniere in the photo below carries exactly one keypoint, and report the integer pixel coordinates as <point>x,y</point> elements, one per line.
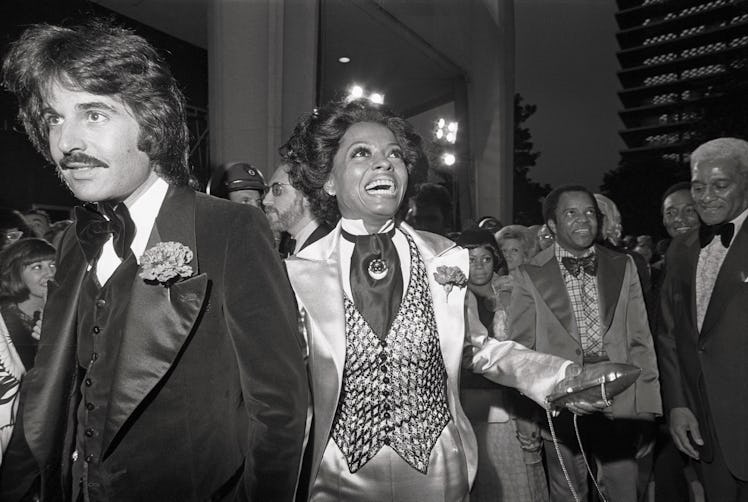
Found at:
<point>449,277</point>
<point>166,263</point>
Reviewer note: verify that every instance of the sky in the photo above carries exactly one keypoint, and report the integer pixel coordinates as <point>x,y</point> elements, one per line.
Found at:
<point>566,65</point>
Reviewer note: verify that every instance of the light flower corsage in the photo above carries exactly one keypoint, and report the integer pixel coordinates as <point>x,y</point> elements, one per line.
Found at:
<point>166,263</point>
<point>449,277</point>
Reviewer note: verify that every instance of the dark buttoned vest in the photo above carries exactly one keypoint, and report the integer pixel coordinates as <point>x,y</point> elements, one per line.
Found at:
<point>101,320</point>
<point>394,391</point>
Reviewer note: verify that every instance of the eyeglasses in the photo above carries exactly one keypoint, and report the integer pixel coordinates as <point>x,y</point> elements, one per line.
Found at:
<point>12,235</point>
<point>276,188</point>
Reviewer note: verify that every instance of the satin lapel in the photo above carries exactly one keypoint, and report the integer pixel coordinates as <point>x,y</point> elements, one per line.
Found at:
<point>47,387</point>
<point>159,319</point>
<point>449,309</point>
<point>611,267</point>
<point>546,276</point>
<point>315,277</point>
<point>731,276</point>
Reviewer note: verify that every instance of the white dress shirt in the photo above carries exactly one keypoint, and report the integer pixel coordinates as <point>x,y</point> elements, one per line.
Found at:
<point>143,212</point>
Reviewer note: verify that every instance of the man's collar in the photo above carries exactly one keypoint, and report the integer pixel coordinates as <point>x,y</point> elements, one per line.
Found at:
<point>143,212</point>
<point>561,252</point>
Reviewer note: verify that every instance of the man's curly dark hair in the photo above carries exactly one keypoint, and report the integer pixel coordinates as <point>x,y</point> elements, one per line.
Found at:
<point>311,149</point>
<point>103,59</point>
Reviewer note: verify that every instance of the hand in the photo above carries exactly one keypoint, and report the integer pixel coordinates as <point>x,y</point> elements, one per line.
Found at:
<point>683,421</point>
<point>578,406</point>
<point>36,331</point>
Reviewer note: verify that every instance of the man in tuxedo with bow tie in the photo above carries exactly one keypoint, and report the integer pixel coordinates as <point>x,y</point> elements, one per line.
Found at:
<point>703,342</point>
<point>289,210</point>
<point>584,302</point>
<point>169,366</point>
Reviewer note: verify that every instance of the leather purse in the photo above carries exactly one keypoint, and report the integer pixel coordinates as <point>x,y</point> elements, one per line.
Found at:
<point>597,382</point>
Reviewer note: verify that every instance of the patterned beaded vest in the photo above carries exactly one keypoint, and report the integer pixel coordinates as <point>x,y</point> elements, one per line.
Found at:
<point>394,390</point>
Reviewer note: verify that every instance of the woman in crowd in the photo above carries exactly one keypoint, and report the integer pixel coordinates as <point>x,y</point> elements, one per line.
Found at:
<point>25,267</point>
<point>382,311</point>
<point>503,474</point>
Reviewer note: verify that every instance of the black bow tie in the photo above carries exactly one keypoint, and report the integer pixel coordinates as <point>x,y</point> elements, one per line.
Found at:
<point>724,230</point>
<point>94,224</point>
<point>586,264</point>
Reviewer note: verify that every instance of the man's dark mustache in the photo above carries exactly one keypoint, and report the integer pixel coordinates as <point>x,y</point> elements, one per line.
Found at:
<point>77,160</point>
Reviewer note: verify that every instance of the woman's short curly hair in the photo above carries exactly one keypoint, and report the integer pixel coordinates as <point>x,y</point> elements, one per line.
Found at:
<point>102,59</point>
<point>474,238</point>
<point>13,259</point>
<point>316,138</point>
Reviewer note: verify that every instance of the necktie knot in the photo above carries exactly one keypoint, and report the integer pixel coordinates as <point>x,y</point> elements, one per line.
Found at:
<point>575,266</point>
<point>708,232</point>
<point>96,223</point>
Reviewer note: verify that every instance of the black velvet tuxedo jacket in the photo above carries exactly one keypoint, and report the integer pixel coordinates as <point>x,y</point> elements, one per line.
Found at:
<point>209,396</point>
<point>707,370</point>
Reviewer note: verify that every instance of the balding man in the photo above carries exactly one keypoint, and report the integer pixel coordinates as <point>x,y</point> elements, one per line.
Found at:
<point>703,342</point>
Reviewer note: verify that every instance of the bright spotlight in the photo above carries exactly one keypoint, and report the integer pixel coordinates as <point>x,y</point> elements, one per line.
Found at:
<point>344,59</point>
<point>449,159</point>
<point>355,92</point>
<point>376,98</point>
<point>446,131</point>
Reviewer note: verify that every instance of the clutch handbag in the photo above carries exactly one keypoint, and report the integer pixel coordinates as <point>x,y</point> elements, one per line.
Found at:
<point>597,382</point>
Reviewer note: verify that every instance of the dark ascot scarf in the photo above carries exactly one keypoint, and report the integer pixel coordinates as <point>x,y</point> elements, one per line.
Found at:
<point>376,279</point>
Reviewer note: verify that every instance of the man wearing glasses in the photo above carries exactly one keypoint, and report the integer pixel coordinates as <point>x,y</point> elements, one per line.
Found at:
<point>289,211</point>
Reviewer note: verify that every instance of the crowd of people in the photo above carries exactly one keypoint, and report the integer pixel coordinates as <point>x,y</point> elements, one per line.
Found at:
<point>325,336</point>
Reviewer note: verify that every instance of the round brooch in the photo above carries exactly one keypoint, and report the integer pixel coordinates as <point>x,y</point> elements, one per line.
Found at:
<point>378,269</point>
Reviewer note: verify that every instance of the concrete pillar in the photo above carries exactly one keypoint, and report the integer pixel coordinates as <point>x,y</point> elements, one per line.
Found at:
<point>262,57</point>
<point>492,107</point>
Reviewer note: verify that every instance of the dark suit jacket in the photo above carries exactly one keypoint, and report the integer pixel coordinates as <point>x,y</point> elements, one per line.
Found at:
<point>209,395</point>
<point>707,371</point>
<point>541,317</point>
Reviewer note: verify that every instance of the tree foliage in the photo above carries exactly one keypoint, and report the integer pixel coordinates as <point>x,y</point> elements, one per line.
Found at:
<point>528,194</point>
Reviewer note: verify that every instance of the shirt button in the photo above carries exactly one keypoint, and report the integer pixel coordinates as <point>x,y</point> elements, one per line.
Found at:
<point>88,382</point>
<point>90,406</point>
<point>101,303</point>
<point>384,343</point>
<point>578,352</point>
<point>94,356</point>
<point>386,441</point>
<point>89,432</point>
<point>383,357</point>
<point>383,368</point>
<point>386,415</point>
<point>386,393</point>
<point>89,459</point>
<point>96,330</point>
<point>385,380</point>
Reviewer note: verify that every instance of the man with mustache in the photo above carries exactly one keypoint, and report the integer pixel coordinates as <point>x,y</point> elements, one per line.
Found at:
<point>702,343</point>
<point>288,210</point>
<point>169,366</point>
<point>583,302</point>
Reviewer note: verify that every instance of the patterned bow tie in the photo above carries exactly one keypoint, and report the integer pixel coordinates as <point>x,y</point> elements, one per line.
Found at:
<point>576,266</point>
<point>94,224</point>
<point>724,230</point>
